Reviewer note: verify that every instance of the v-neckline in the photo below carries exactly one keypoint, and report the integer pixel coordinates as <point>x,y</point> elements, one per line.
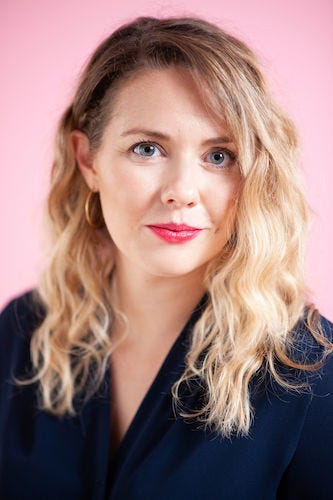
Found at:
<point>119,454</point>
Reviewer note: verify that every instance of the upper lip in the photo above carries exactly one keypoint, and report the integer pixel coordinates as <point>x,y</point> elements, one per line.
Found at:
<point>172,226</point>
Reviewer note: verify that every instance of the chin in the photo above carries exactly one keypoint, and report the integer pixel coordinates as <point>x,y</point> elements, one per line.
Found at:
<point>174,269</point>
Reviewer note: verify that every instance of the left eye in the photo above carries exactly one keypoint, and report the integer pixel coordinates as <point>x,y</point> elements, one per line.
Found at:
<point>145,149</point>
<point>221,158</point>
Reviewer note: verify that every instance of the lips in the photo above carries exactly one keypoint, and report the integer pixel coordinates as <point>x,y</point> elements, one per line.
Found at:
<point>175,233</point>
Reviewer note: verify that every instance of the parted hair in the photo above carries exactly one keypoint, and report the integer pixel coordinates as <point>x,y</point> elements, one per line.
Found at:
<point>256,290</point>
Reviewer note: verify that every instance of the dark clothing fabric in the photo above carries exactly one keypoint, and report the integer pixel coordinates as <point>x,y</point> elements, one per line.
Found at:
<point>288,454</point>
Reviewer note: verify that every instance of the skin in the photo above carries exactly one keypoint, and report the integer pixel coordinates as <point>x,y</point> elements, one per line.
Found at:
<point>159,283</point>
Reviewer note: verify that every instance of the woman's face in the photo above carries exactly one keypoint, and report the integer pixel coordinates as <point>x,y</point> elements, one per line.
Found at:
<point>167,176</point>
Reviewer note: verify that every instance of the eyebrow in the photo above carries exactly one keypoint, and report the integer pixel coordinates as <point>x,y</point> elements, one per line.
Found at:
<point>159,135</point>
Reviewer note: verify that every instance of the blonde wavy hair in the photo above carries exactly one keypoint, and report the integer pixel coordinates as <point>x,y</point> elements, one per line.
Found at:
<point>256,292</point>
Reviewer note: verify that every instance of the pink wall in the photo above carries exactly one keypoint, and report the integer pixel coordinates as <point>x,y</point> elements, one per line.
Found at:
<point>43,46</point>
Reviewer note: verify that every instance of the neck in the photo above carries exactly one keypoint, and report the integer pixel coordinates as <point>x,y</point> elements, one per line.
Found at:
<point>155,306</point>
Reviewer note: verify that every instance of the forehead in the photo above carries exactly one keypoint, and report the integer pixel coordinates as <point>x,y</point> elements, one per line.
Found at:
<point>163,97</point>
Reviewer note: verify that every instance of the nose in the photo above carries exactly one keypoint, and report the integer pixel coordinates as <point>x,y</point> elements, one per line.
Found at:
<point>181,188</point>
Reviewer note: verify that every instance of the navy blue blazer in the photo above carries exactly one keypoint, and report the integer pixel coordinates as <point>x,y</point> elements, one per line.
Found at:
<point>288,454</point>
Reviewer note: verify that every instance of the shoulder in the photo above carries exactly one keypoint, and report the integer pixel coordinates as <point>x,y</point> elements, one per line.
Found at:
<point>27,305</point>
<point>302,332</point>
<point>304,376</point>
<point>313,352</point>
<point>18,319</point>
<point>308,349</point>
<point>21,315</point>
<point>309,473</point>
<point>310,346</point>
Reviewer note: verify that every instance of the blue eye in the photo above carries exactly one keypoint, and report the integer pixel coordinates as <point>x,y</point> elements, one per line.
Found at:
<point>221,158</point>
<point>144,149</point>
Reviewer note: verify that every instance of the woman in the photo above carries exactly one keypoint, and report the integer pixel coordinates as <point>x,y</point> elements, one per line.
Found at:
<point>169,350</point>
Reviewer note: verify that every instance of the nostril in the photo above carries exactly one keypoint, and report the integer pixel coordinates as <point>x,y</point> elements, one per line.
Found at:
<point>172,201</point>
<point>180,197</point>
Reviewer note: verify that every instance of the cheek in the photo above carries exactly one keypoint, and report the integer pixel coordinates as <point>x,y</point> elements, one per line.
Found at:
<point>125,194</point>
<point>222,203</point>
<point>223,211</point>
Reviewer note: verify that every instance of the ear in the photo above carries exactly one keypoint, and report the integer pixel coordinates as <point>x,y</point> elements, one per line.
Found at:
<point>84,158</point>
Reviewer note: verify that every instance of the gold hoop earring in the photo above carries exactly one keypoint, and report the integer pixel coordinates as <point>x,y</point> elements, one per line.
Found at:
<point>87,207</point>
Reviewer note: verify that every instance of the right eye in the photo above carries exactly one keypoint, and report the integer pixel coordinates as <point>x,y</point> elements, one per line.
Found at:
<point>146,149</point>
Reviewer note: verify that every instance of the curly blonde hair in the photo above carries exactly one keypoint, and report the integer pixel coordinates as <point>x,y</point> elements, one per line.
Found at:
<point>256,292</point>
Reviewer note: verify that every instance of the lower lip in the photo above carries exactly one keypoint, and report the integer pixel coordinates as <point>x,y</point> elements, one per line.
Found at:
<point>175,236</point>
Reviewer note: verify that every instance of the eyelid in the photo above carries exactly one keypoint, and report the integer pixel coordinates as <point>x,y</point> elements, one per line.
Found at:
<point>232,157</point>
<point>145,141</point>
<point>224,150</point>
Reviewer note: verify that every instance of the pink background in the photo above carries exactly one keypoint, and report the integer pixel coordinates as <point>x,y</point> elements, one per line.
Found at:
<point>45,43</point>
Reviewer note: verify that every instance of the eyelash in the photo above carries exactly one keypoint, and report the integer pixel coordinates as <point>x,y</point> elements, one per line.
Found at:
<point>233,157</point>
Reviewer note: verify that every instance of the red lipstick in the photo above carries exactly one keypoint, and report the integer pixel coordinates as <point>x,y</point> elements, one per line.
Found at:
<point>175,233</point>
